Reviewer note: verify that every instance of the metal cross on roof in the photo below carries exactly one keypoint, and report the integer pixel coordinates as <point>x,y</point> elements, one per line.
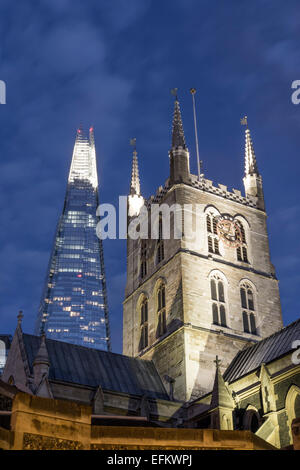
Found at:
<point>217,361</point>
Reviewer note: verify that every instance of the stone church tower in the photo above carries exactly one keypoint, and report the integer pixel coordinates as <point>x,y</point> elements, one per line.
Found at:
<point>190,299</point>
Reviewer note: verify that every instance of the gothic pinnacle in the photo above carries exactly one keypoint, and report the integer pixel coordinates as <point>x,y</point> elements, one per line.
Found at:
<point>135,187</point>
<point>178,139</point>
<point>42,354</point>
<point>250,158</point>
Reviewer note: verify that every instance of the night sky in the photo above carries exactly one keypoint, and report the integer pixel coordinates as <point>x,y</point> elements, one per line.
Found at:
<point>111,64</point>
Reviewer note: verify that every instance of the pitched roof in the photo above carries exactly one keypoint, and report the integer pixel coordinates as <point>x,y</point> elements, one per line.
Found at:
<point>267,350</point>
<point>92,367</point>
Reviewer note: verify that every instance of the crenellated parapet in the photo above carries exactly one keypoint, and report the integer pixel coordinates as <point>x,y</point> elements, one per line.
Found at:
<point>208,186</point>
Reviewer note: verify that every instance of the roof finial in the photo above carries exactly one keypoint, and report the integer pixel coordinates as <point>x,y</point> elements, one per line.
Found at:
<point>174,93</point>
<point>178,139</point>
<point>20,317</point>
<point>217,361</point>
<point>135,187</point>
<point>133,143</point>
<point>244,121</point>
<point>251,167</point>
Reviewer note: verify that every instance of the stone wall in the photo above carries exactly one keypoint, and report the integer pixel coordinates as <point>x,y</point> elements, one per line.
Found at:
<point>48,424</point>
<point>42,423</point>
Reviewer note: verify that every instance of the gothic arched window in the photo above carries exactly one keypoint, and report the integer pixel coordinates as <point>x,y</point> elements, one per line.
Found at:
<point>143,258</point>
<point>212,234</point>
<point>218,300</point>
<point>144,324</point>
<point>242,251</point>
<point>161,310</point>
<point>248,308</point>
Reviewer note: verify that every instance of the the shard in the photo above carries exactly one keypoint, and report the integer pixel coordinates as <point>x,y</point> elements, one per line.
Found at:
<point>73,307</point>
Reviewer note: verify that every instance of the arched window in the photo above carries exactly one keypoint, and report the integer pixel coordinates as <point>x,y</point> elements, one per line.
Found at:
<point>248,308</point>
<point>160,242</point>
<point>251,419</point>
<point>218,300</point>
<point>144,324</point>
<point>242,251</point>
<point>297,406</point>
<point>292,406</point>
<point>143,258</point>
<point>212,234</point>
<point>161,311</point>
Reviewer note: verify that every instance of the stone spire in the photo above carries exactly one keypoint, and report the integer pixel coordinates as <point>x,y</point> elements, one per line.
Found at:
<point>220,393</point>
<point>252,179</point>
<point>179,154</point>
<point>178,139</point>
<point>41,363</point>
<point>250,158</point>
<point>222,403</point>
<point>42,356</point>
<point>135,199</point>
<point>135,187</point>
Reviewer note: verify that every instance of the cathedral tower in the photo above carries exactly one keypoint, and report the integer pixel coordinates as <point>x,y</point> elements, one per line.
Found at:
<point>190,298</point>
<point>74,303</point>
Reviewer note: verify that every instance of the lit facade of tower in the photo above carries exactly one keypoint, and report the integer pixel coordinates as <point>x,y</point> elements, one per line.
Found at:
<point>74,302</point>
<point>190,298</point>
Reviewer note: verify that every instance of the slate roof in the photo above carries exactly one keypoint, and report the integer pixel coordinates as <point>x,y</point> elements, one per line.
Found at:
<point>93,367</point>
<point>267,350</point>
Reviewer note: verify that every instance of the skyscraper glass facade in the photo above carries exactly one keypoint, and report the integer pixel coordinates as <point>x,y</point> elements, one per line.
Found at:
<point>73,307</point>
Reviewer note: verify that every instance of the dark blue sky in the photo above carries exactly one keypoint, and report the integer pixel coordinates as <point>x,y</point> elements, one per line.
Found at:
<point>111,63</point>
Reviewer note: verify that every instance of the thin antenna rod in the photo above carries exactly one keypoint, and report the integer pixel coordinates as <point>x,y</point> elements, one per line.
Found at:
<point>193,92</point>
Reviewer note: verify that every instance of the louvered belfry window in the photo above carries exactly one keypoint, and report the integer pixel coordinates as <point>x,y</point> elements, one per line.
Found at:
<point>161,310</point>
<point>212,234</point>
<point>248,309</point>
<point>242,251</point>
<point>218,300</point>
<point>144,324</point>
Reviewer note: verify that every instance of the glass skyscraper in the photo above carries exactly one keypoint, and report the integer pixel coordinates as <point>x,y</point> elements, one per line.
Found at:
<point>73,307</point>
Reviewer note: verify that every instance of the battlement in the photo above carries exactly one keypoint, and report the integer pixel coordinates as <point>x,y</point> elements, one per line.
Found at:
<point>206,185</point>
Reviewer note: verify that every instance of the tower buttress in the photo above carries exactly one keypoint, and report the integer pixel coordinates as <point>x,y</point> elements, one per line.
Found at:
<point>252,179</point>
<point>179,154</point>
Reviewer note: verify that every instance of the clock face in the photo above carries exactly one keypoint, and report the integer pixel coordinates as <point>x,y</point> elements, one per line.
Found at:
<point>229,231</point>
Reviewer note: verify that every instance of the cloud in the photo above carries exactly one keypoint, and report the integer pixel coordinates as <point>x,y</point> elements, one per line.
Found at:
<point>112,64</point>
